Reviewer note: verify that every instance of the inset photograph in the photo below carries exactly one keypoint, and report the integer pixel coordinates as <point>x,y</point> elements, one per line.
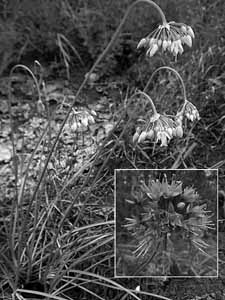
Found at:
<point>166,223</point>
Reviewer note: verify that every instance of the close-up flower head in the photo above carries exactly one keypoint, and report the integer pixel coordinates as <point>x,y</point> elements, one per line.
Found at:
<point>168,223</point>
<point>168,37</point>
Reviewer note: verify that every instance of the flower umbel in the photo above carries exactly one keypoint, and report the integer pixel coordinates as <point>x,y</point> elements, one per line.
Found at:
<point>168,36</point>
<point>168,211</point>
<point>160,128</point>
<point>191,112</point>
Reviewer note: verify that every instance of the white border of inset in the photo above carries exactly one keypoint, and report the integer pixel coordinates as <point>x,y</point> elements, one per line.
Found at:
<point>217,224</point>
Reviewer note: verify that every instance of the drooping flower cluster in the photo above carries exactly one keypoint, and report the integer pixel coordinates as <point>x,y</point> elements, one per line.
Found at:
<point>168,209</point>
<point>169,37</point>
<point>160,128</point>
<point>80,120</point>
<point>191,112</point>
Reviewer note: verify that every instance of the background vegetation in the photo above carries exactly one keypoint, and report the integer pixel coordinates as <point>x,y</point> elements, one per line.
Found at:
<point>57,228</point>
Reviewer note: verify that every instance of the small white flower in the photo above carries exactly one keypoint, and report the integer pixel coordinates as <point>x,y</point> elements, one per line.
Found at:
<point>179,131</point>
<point>164,45</point>
<point>153,50</point>
<point>190,31</point>
<point>142,43</point>
<point>170,131</point>
<point>135,137</point>
<point>187,40</point>
<point>142,137</point>
<point>150,134</point>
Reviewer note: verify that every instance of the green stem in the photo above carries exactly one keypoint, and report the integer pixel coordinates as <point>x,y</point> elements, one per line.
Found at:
<point>164,22</point>
<point>150,101</point>
<point>175,72</point>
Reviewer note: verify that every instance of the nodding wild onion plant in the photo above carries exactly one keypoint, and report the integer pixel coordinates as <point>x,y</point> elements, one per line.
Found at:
<point>161,127</point>
<point>169,215</point>
<point>26,246</point>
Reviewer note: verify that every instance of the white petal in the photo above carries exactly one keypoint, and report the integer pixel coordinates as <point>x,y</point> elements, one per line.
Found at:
<point>190,31</point>
<point>164,45</point>
<point>135,137</point>
<point>184,28</point>
<point>150,134</point>
<point>187,40</point>
<point>154,49</point>
<point>142,137</point>
<point>142,43</point>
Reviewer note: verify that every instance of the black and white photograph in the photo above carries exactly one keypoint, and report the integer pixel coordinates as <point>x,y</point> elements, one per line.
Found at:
<point>112,149</point>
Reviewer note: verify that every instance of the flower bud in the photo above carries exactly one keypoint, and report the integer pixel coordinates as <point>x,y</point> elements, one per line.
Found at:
<point>159,42</point>
<point>191,117</point>
<point>196,115</point>
<point>164,45</point>
<point>179,131</point>
<point>188,115</point>
<point>175,49</point>
<point>142,137</point>
<point>135,137</point>
<point>152,41</point>
<point>187,40</point>
<point>157,129</point>
<point>169,43</point>
<point>170,131</point>
<point>150,134</point>
<point>180,47</point>
<point>184,29</point>
<point>179,119</point>
<point>142,43</point>
<point>153,50</point>
<point>174,131</point>
<point>190,31</point>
